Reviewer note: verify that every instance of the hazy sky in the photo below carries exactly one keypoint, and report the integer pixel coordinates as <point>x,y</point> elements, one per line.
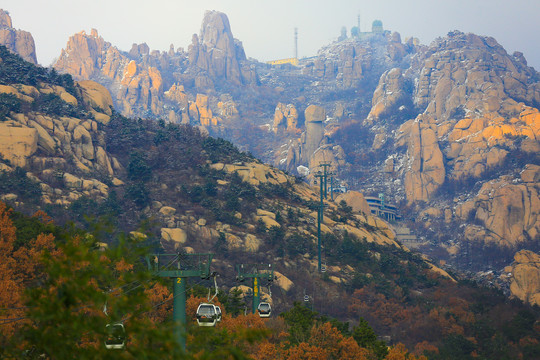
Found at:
<point>266,27</point>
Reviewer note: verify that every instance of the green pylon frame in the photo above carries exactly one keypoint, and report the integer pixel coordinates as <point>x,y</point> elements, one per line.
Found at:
<point>325,177</point>
<point>179,267</point>
<point>320,215</point>
<point>256,272</point>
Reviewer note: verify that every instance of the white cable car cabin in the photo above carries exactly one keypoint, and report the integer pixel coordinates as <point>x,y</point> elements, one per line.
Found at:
<point>218,312</point>
<point>264,309</point>
<point>116,336</point>
<point>207,315</point>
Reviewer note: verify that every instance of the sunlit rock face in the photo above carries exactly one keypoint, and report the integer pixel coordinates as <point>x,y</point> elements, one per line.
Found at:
<point>525,275</point>
<point>57,147</point>
<point>217,52</point>
<point>17,41</point>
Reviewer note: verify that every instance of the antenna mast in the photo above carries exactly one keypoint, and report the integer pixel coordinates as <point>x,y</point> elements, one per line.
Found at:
<point>296,43</point>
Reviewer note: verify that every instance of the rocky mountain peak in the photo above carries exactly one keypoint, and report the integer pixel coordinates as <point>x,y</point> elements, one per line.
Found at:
<point>216,52</point>
<point>17,41</point>
<point>216,32</point>
<point>5,19</point>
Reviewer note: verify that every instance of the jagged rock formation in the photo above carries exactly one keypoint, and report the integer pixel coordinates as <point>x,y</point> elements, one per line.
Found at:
<point>199,112</point>
<point>217,53</point>
<point>17,41</point>
<point>301,151</point>
<point>525,275</point>
<point>165,85</point>
<point>475,111</point>
<point>312,148</point>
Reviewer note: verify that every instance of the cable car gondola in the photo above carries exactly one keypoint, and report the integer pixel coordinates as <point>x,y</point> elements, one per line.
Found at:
<point>207,315</point>
<point>218,311</point>
<point>116,336</point>
<point>264,309</point>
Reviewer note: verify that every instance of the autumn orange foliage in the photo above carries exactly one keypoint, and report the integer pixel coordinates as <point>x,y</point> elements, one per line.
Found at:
<point>399,352</point>
<point>18,268</point>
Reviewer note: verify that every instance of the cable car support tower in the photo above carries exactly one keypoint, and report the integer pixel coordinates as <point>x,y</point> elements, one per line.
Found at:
<point>256,272</point>
<point>322,176</point>
<point>179,267</point>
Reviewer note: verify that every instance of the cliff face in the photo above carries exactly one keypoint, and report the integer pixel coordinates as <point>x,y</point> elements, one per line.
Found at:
<point>17,41</point>
<point>157,84</point>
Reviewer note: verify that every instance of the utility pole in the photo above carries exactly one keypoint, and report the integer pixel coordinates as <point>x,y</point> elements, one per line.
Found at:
<point>332,186</point>
<point>256,272</point>
<point>179,267</point>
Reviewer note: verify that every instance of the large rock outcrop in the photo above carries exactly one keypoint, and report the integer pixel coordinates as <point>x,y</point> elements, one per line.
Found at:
<point>61,148</point>
<point>17,143</point>
<point>525,275</point>
<point>388,93</point>
<point>426,172</point>
<point>475,120</point>
<point>472,74</point>
<point>315,116</point>
<point>217,52</point>
<point>508,209</point>
<point>17,41</point>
